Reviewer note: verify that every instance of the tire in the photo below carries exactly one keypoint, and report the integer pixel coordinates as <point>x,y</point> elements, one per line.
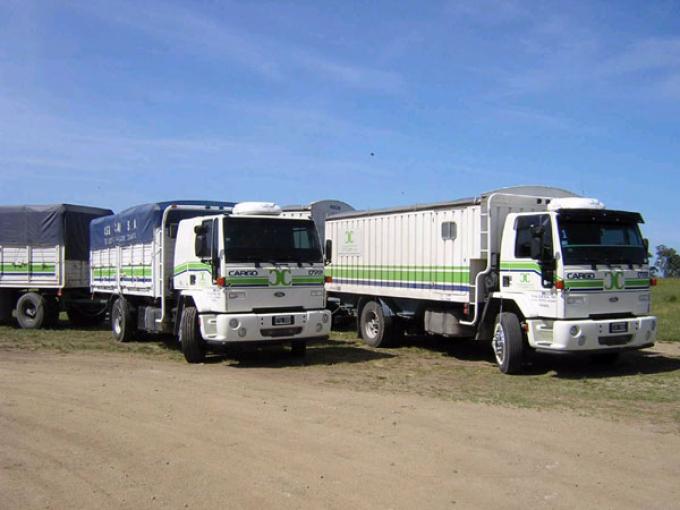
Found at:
<point>374,327</point>
<point>298,348</point>
<point>85,315</point>
<point>31,308</point>
<point>122,321</point>
<point>605,358</point>
<point>508,343</point>
<point>193,346</point>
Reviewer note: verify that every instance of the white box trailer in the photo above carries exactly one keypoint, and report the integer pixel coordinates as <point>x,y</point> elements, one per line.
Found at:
<point>211,273</point>
<point>527,267</point>
<point>317,212</point>
<point>44,264</point>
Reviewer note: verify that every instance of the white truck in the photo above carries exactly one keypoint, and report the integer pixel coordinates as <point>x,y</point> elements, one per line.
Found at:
<point>44,264</point>
<point>528,268</point>
<point>211,273</point>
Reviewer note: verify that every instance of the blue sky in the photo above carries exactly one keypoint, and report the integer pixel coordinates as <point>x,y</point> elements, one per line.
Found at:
<point>378,104</point>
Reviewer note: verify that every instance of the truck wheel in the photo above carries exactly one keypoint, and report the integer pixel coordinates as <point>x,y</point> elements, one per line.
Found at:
<point>122,321</point>
<point>375,329</point>
<point>298,348</point>
<point>193,346</point>
<point>508,343</point>
<point>85,315</point>
<point>31,311</point>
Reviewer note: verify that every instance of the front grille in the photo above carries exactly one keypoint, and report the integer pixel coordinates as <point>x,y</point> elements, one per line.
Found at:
<point>610,316</point>
<point>279,332</point>
<point>279,309</point>
<point>615,339</point>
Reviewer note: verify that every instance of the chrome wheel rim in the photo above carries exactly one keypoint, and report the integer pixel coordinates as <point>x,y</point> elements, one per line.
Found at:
<point>117,326</point>
<point>499,344</point>
<point>372,327</point>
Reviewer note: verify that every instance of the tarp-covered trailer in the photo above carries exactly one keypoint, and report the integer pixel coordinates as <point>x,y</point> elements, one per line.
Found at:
<point>44,263</point>
<point>132,256</point>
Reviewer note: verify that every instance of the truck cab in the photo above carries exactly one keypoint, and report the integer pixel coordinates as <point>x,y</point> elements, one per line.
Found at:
<point>577,275</point>
<point>249,276</point>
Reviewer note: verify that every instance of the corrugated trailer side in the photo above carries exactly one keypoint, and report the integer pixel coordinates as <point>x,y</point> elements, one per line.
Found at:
<point>404,255</point>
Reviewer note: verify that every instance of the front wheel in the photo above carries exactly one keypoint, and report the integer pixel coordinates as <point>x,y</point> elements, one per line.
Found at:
<point>193,346</point>
<point>508,343</point>
<point>375,328</point>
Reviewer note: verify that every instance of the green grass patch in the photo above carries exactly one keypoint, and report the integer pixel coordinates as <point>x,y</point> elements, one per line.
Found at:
<point>666,306</point>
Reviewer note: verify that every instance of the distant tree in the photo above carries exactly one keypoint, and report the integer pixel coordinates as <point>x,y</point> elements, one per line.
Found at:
<point>668,261</point>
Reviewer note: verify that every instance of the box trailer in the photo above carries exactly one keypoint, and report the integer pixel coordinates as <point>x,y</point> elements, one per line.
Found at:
<point>44,251</point>
<point>317,212</point>
<point>528,268</point>
<point>211,274</point>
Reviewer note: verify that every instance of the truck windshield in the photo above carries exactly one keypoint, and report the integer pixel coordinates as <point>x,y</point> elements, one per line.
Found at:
<point>600,239</point>
<point>270,240</point>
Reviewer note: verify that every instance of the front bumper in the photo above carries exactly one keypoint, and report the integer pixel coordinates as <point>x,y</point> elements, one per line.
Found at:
<point>586,335</point>
<point>253,327</point>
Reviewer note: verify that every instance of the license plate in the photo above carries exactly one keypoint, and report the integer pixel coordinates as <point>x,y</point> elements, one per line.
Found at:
<point>618,327</point>
<point>282,320</point>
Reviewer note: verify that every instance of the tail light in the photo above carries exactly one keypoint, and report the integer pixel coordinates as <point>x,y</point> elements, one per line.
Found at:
<point>652,282</point>
<point>559,284</point>
<point>220,282</point>
<point>328,279</point>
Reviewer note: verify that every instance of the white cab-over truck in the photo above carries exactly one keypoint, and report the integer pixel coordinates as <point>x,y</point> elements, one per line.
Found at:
<point>212,274</point>
<point>44,264</point>
<point>528,268</point>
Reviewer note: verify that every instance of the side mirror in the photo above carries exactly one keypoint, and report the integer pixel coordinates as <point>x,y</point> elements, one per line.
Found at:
<point>646,244</point>
<point>328,251</point>
<point>536,250</point>
<point>172,230</point>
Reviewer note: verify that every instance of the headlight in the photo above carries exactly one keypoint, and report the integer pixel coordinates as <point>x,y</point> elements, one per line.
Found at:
<point>233,323</point>
<point>242,332</point>
<point>324,318</point>
<point>237,294</point>
<point>576,300</point>
<point>319,327</point>
<point>574,331</point>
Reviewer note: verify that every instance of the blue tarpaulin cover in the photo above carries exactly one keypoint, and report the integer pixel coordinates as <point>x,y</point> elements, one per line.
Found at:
<point>49,225</point>
<point>136,225</point>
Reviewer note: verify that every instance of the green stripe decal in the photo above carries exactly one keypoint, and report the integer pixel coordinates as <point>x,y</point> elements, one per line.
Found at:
<point>430,274</point>
<point>26,268</point>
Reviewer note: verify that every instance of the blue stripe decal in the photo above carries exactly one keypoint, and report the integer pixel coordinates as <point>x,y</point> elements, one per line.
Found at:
<point>407,285</point>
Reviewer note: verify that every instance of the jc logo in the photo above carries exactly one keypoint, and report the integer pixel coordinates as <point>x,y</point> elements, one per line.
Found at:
<point>614,280</point>
<point>279,277</point>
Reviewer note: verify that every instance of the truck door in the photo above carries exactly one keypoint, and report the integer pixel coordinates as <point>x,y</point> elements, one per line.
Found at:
<point>522,276</point>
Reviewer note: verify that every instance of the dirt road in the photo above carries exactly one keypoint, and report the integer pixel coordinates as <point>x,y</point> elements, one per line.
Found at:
<point>115,431</point>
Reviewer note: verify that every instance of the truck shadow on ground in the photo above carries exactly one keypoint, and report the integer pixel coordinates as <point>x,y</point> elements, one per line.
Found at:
<point>329,352</point>
<point>630,363</point>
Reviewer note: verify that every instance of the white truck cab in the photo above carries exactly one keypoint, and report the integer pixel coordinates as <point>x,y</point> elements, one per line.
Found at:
<point>252,276</point>
<point>579,275</point>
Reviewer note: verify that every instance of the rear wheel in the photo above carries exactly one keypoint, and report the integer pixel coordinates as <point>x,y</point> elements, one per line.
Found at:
<point>193,346</point>
<point>508,343</point>
<point>122,321</point>
<point>374,327</point>
<point>31,308</point>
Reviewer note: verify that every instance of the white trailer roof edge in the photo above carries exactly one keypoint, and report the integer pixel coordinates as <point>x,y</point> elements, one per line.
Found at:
<point>537,191</point>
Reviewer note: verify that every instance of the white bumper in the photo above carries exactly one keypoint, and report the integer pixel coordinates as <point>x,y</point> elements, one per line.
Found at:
<point>252,327</point>
<point>591,335</point>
